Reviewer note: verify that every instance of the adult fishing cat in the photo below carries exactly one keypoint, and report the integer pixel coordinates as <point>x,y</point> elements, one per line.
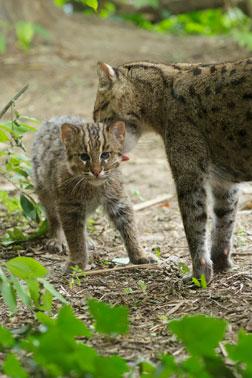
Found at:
<point>204,114</point>
<point>75,169</point>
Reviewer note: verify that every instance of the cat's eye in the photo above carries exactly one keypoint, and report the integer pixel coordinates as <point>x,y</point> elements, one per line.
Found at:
<point>85,157</point>
<point>105,155</point>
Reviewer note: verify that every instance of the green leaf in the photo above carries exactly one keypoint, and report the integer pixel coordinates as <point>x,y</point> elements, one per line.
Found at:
<point>46,300</point>
<point>2,43</point>
<point>26,268</point>
<point>21,291</point>
<point>241,352</point>
<point>200,334</point>
<point>24,33</point>
<point>29,207</point>
<point>3,137</point>
<point>6,338</point>
<point>91,3</point>
<point>9,296</point>
<point>34,290</point>
<point>13,236</point>
<point>108,367</point>
<point>52,290</point>
<point>12,367</point>
<point>108,319</point>
<point>70,324</point>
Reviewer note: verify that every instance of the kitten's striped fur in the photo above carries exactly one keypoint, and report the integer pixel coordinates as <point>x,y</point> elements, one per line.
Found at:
<point>71,186</point>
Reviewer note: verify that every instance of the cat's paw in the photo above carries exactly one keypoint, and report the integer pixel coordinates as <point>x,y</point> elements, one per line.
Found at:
<point>145,259</point>
<point>55,246</point>
<point>203,266</point>
<point>76,265</point>
<point>221,262</point>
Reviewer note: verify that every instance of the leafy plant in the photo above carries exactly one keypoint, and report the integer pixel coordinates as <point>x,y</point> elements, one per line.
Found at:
<point>16,169</point>
<point>23,278</point>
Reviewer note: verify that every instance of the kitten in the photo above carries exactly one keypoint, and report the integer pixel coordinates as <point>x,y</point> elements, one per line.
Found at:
<point>204,114</point>
<point>76,169</point>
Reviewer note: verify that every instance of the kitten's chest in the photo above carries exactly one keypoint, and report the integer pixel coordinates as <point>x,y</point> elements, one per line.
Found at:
<point>91,198</point>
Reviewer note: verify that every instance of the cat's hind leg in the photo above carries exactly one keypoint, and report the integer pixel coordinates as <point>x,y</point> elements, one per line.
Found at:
<point>57,241</point>
<point>225,197</point>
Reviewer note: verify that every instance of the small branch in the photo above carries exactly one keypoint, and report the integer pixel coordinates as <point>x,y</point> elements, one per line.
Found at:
<point>155,201</point>
<point>12,101</point>
<point>120,268</point>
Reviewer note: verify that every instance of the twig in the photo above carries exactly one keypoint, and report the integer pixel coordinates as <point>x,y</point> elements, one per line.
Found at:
<point>155,201</point>
<point>12,101</point>
<point>119,268</point>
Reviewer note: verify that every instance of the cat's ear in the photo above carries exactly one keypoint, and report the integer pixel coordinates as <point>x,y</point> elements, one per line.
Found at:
<point>118,130</point>
<point>106,74</point>
<point>68,133</point>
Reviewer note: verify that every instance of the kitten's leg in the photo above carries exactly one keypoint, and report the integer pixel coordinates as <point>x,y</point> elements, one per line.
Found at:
<point>72,218</point>
<point>121,213</point>
<point>225,198</point>
<point>57,240</point>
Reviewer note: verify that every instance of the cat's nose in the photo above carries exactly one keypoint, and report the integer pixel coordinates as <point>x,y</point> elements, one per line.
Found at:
<point>96,171</point>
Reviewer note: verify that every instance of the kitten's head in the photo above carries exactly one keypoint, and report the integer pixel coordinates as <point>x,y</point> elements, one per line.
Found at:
<point>93,150</point>
<point>117,98</point>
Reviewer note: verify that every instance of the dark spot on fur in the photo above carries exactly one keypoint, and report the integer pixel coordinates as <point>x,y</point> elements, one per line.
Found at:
<point>178,97</point>
<point>207,91</point>
<point>213,69</point>
<point>249,115</point>
<point>238,81</point>
<point>215,109</point>
<point>231,138</point>
<point>192,91</point>
<point>220,213</point>
<point>196,71</point>
<point>244,146</point>
<point>233,71</point>
<point>199,203</point>
<point>231,105</point>
<point>218,87</point>
<point>201,218</point>
<point>242,133</point>
<point>223,69</point>
<point>224,128</point>
<point>247,96</point>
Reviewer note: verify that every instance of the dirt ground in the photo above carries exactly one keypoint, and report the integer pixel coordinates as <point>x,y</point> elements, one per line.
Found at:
<point>62,78</point>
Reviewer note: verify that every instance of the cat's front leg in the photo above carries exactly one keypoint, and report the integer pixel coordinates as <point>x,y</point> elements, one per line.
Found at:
<point>121,213</point>
<point>72,218</point>
<point>192,197</point>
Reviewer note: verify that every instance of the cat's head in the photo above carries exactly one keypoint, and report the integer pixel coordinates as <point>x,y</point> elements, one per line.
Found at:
<point>118,98</point>
<point>93,150</point>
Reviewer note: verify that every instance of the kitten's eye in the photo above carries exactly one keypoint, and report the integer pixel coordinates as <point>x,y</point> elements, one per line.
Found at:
<point>85,157</point>
<point>105,155</point>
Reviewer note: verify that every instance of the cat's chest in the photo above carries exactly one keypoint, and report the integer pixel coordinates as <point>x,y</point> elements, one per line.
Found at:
<point>91,198</point>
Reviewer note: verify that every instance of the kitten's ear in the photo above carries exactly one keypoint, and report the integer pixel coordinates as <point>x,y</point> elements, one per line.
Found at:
<point>68,133</point>
<point>118,130</point>
<point>106,74</point>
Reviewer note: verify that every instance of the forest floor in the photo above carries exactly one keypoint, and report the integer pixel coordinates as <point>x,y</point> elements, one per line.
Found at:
<point>62,78</point>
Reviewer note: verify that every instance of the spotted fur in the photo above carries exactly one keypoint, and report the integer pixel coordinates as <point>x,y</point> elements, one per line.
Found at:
<point>203,112</point>
<point>71,188</point>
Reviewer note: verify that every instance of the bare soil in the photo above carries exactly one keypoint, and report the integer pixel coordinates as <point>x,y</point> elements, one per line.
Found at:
<point>62,78</point>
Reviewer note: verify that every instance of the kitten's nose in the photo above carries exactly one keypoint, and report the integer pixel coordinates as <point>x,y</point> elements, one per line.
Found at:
<point>96,171</point>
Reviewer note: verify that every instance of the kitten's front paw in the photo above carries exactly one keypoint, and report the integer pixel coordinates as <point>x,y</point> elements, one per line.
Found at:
<point>203,266</point>
<point>55,246</point>
<point>145,259</point>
